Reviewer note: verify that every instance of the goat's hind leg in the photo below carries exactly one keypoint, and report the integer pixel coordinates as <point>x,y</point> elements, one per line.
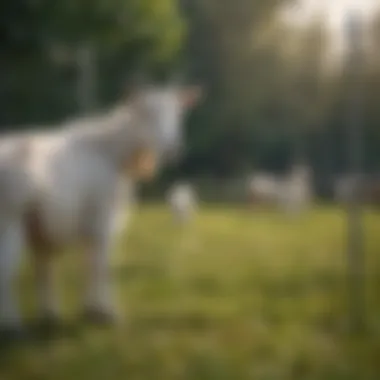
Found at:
<point>11,245</point>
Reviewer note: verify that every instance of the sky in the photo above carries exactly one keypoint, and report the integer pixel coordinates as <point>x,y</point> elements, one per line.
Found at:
<point>335,13</point>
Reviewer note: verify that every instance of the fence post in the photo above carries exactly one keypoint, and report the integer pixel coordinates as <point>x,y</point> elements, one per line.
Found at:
<point>355,253</point>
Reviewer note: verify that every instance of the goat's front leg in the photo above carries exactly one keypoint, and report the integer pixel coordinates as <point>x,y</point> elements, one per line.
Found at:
<point>11,245</point>
<point>46,290</point>
<point>99,303</point>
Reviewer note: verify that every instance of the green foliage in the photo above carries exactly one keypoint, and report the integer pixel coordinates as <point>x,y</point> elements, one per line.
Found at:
<point>106,23</point>
<point>40,41</point>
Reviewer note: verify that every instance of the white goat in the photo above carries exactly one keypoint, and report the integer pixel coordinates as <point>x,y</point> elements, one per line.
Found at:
<point>263,188</point>
<point>291,193</point>
<point>61,188</point>
<point>182,202</point>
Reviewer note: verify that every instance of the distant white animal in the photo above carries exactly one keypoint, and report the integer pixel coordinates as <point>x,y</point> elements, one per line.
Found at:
<point>182,201</point>
<point>291,193</point>
<point>263,188</point>
<point>65,187</point>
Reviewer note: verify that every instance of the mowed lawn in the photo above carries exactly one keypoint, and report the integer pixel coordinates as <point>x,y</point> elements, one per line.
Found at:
<point>237,295</point>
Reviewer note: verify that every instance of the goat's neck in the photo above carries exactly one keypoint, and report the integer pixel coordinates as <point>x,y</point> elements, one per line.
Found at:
<point>117,137</point>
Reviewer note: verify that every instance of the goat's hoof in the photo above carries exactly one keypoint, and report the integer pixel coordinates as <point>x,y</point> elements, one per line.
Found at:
<point>10,335</point>
<point>49,322</point>
<point>99,317</point>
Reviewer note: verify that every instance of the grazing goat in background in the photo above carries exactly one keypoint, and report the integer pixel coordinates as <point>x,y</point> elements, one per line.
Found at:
<point>182,201</point>
<point>263,189</point>
<point>63,187</point>
<point>291,193</point>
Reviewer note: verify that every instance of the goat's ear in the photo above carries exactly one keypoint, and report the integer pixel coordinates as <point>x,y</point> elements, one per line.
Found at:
<point>134,88</point>
<point>191,95</point>
<point>131,93</point>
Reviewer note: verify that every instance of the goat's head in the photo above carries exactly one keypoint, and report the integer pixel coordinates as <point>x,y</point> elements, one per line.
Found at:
<point>159,113</point>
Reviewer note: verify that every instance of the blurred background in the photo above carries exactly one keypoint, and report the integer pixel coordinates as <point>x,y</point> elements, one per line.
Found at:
<point>274,73</point>
<point>255,294</point>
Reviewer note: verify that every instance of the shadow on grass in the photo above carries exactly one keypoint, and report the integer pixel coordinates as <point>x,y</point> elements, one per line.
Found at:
<point>37,335</point>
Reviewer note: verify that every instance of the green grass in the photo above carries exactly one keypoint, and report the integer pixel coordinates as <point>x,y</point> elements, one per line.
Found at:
<point>237,295</point>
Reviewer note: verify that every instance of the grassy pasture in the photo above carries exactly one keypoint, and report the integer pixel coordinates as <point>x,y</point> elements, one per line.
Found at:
<point>237,295</point>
